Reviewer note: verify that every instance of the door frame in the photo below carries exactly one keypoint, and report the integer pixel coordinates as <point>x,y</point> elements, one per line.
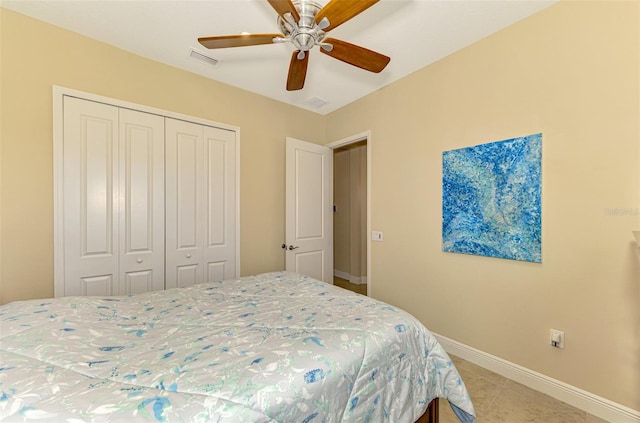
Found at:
<point>59,93</point>
<point>362,136</point>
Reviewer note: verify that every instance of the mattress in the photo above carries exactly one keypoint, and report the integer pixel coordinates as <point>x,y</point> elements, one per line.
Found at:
<point>275,347</point>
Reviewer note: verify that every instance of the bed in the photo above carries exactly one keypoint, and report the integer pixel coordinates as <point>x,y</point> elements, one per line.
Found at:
<point>275,347</point>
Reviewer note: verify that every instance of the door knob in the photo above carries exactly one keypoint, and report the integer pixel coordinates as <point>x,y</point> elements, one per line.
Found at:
<point>188,255</point>
<point>291,247</point>
<point>139,260</point>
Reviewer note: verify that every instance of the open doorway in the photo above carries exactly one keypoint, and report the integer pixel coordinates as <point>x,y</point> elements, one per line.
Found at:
<point>350,223</point>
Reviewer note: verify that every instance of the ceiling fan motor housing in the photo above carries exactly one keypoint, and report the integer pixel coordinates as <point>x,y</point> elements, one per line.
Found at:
<point>304,34</point>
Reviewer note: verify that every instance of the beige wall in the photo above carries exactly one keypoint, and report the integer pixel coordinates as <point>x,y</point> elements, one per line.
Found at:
<point>35,56</point>
<point>572,73</point>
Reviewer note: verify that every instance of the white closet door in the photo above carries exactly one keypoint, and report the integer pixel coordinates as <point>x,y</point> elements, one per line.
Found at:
<point>90,187</point>
<point>220,213</point>
<point>141,202</point>
<point>184,199</point>
<point>200,203</point>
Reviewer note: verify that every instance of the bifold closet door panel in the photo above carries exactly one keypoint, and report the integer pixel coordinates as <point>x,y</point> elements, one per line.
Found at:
<point>141,206</point>
<point>220,167</point>
<point>185,199</point>
<point>90,186</point>
<point>200,203</point>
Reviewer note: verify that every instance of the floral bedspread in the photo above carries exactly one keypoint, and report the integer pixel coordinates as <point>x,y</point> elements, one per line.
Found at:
<point>276,347</point>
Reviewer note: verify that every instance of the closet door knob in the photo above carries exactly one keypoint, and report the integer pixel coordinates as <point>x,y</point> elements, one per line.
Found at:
<point>188,255</point>
<point>139,260</point>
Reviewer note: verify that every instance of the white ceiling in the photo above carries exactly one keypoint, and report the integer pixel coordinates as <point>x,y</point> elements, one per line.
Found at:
<point>414,33</point>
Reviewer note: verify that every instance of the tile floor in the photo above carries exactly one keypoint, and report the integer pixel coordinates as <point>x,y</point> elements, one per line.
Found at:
<point>498,399</point>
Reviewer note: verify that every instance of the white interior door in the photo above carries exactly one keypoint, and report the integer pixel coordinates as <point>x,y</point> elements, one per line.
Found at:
<point>200,203</point>
<point>309,210</point>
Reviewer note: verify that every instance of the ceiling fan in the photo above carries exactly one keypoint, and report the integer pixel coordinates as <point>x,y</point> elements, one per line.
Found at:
<point>304,24</point>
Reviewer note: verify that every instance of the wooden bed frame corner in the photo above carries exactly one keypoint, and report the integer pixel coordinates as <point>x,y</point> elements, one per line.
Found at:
<point>432,414</point>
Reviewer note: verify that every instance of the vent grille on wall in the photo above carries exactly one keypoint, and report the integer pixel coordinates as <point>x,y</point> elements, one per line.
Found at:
<point>198,55</point>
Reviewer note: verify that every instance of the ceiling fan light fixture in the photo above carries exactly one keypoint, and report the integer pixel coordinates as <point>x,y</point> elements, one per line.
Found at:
<point>304,42</point>
<point>326,46</point>
<point>324,23</point>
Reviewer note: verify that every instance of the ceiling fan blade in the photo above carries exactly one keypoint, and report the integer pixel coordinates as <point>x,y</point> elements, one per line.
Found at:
<point>282,7</point>
<point>355,55</point>
<point>225,41</point>
<point>340,11</point>
<point>297,71</point>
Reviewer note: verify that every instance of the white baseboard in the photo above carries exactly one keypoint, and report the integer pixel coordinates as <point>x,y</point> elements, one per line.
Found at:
<point>359,280</point>
<point>341,274</point>
<point>591,403</point>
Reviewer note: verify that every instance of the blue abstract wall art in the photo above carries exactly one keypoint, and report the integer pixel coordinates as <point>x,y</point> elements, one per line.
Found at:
<point>491,199</point>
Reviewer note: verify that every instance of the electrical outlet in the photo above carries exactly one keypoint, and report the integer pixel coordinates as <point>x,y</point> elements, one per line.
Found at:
<point>556,338</point>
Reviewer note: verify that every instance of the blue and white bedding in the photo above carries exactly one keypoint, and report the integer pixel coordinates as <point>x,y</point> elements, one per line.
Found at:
<point>275,347</point>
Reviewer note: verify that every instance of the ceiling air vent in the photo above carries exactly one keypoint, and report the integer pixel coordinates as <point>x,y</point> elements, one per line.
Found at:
<point>198,55</point>
<point>316,102</point>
